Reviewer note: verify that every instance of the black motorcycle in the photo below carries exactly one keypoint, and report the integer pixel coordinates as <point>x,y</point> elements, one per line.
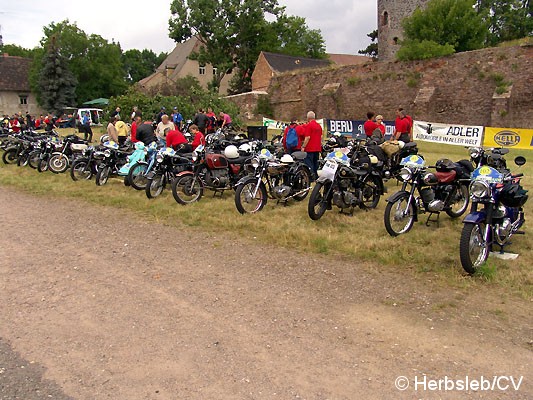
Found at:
<point>72,147</point>
<point>346,184</point>
<point>167,164</point>
<point>113,160</point>
<point>445,190</point>
<point>283,179</point>
<point>496,215</point>
<point>86,166</point>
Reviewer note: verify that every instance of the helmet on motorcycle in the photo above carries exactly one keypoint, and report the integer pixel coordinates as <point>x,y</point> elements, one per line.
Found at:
<point>139,146</point>
<point>111,145</point>
<point>245,148</point>
<point>231,151</point>
<point>401,144</point>
<point>444,165</point>
<point>430,178</point>
<point>287,159</point>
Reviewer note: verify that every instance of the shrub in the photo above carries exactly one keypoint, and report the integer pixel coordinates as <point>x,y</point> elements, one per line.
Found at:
<point>421,50</point>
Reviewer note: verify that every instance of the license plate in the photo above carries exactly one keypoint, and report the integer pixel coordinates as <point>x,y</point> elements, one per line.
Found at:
<point>329,169</point>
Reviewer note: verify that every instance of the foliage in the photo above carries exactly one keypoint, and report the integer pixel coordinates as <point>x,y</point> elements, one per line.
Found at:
<point>192,97</point>
<point>442,26</point>
<point>56,81</point>
<point>234,32</point>
<point>140,64</point>
<point>506,19</point>
<point>264,107</point>
<point>17,51</point>
<point>372,49</point>
<point>96,63</point>
<point>421,50</point>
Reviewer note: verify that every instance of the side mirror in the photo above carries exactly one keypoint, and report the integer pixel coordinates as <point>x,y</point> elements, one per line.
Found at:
<point>520,160</point>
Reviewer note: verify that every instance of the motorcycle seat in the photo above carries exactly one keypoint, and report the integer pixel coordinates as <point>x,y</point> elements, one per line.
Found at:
<point>299,155</point>
<point>446,177</point>
<point>238,160</point>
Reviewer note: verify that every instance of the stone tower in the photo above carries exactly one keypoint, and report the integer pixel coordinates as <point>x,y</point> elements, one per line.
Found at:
<point>390,32</point>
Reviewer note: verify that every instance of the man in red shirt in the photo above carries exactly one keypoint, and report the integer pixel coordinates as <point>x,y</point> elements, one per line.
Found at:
<point>370,125</point>
<point>137,120</point>
<point>312,143</point>
<point>300,132</point>
<point>403,127</point>
<point>178,142</point>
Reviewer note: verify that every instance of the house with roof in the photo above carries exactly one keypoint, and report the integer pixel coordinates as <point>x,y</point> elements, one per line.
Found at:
<point>270,64</point>
<point>15,93</point>
<point>178,65</point>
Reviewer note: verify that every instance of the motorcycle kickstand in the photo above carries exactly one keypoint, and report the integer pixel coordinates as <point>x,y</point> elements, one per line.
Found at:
<point>433,220</point>
<point>216,191</point>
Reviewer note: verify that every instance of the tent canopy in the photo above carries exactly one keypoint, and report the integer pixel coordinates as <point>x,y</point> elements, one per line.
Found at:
<point>99,101</point>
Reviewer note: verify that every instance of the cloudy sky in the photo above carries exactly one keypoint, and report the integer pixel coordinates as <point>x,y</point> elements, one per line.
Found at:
<point>344,23</point>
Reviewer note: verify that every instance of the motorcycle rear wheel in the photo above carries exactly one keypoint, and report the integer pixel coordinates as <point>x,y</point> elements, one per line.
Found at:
<point>246,202</point>
<point>370,191</point>
<point>155,186</point>
<point>473,249</point>
<point>102,176</point>
<point>10,156</point>
<point>318,204</point>
<point>137,175</point>
<point>34,158</point>
<point>460,202</point>
<point>81,170</point>
<point>399,216</point>
<point>42,166</point>
<point>23,159</point>
<point>186,189</point>
<point>301,181</point>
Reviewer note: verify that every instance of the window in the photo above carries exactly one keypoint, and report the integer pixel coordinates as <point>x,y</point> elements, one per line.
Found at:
<point>23,99</point>
<point>385,18</point>
<point>201,70</point>
<point>215,69</point>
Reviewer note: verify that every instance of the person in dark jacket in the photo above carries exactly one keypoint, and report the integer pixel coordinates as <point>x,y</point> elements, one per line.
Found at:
<point>201,120</point>
<point>145,133</point>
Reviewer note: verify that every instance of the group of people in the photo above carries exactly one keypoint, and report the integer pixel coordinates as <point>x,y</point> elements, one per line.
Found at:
<point>19,122</point>
<point>403,126</point>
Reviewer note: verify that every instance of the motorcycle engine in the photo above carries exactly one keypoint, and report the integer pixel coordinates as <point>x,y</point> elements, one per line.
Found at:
<point>436,206</point>
<point>503,230</point>
<point>217,178</point>
<point>282,192</point>
<point>344,199</point>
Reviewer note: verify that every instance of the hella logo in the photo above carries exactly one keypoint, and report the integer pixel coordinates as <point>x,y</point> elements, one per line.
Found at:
<point>507,138</point>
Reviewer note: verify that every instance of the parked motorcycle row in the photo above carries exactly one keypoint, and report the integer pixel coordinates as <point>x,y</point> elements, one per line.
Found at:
<point>351,176</point>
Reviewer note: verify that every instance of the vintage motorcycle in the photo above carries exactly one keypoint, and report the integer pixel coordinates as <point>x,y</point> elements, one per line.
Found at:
<point>496,215</point>
<point>60,160</point>
<point>113,160</point>
<point>445,190</point>
<point>167,164</point>
<point>86,166</point>
<point>137,173</point>
<point>283,179</point>
<point>346,184</point>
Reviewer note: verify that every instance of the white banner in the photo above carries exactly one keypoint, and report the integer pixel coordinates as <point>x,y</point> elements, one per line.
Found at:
<point>272,123</point>
<point>460,135</point>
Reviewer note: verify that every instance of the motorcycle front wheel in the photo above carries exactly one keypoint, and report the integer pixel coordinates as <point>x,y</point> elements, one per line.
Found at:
<point>137,175</point>
<point>102,176</point>
<point>399,216</point>
<point>473,249</point>
<point>459,202</point>
<point>81,170</point>
<point>58,163</point>
<point>23,159</point>
<point>10,156</point>
<point>42,166</point>
<point>34,158</point>
<point>186,189</point>
<point>246,202</point>
<point>155,186</point>
<point>318,203</point>
<point>370,191</point>
<point>301,183</point>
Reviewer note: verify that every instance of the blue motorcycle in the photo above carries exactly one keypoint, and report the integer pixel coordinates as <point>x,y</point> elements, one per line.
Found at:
<point>496,214</point>
<point>139,170</point>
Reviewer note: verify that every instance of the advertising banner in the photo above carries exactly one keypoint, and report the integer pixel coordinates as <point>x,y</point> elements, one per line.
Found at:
<point>459,135</point>
<point>511,138</point>
<point>354,128</point>
<point>274,124</point>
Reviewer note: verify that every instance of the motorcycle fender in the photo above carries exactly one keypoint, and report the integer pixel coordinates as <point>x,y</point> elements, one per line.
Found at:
<point>245,180</point>
<point>150,175</point>
<point>475,218</point>
<point>381,185</point>
<point>323,180</point>
<point>184,173</point>
<point>397,195</point>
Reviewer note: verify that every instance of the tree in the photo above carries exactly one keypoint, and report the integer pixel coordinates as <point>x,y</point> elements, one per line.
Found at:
<point>96,63</point>
<point>57,83</point>
<point>442,25</point>
<point>234,32</point>
<point>372,49</point>
<point>140,64</point>
<point>506,19</point>
<point>15,50</point>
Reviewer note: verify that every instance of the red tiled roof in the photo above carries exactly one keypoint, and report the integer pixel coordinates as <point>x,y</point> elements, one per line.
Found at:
<point>14,73</point>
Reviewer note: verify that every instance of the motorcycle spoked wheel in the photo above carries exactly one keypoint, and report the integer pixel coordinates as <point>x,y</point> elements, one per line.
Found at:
<point>23,159</point>
<point>42,166</point>
<point>155,186</point>
<point>301,181</point>
<point>137,176</point>
<point>318,203</point>
<point>102,176</point>
<point>399,216</point>
<point>10,156</point>
<point>186,189</point>
<point>460,202</point>
<point>58,163</point>
<point>370,192</point>
<point>34,159</point>
<point>81,170</point>
<point>246,202</point>
<point>473,249</point>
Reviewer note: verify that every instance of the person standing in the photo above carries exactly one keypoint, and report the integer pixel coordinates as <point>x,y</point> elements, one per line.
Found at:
<point>200,120</point>
<point>86,126</point>
<point>211,120</point>
<point>199,138</point>
<point>226,120</point>
<point>370,124</point>
<point>111,130</point>
<point>380,124</point>
<point>160,115</point>
<point>402,127</point>
<point>137,120</point>
<point>312,143</point>
<point>177,118</point>
<point>122,131</point>
<point>164,127</point>
<point>14,123</point>
<point>135,110</point>
<point>116,113</point>
<point>178,142</point>
<point>145,132</point>
<point>300,133</point>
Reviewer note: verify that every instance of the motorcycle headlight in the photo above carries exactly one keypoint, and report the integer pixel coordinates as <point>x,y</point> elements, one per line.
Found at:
<point>159,158</point>
<point>255,162</point>
<point>474,152</point>
<point>479,189</point>
<point>107,153</point>
<point>405,174</point>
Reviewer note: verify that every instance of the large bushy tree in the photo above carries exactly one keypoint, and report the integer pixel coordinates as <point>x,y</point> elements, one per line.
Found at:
<point>441,26</point>
<point>506,19</point>
<point>56,81</point>
<point>139,64</point>
<point>18,51</point>
<point>234,32</point>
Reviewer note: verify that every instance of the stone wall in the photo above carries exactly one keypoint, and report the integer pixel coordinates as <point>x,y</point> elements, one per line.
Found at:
<point>490,87</point>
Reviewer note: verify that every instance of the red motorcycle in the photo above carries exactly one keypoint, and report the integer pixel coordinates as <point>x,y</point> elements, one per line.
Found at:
<point>214,171</point>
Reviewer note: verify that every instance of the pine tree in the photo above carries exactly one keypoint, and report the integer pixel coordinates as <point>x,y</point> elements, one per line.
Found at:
<point>58,84</point>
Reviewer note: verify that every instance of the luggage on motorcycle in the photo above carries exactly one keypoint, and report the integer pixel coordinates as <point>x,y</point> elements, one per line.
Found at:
<point>390,147</point>
<point>513,195</point>
<point>377,151</point>
<point>377,136</point>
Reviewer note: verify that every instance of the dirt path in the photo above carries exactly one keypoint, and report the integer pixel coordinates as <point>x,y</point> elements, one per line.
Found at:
<point>117,308</point>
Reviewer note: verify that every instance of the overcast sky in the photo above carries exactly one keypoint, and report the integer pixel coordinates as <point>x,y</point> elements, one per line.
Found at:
<point>344,23</point>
